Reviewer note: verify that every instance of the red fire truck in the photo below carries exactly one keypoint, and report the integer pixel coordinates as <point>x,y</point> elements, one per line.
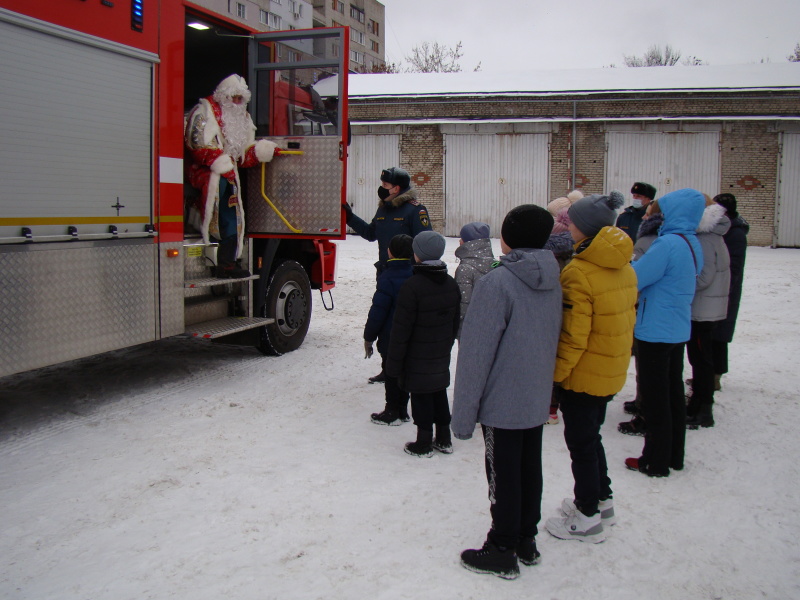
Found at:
<point>96,250</point>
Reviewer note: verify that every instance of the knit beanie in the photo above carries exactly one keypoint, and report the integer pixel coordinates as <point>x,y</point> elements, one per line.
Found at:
<point>527,226</point>
<point>474,231</point>
<point>397,176</point>
<point>594,212</point>
<point>562,221</point>
<point>644,189</point>
<point>400,246</point>
<point>428,245</point>
<point>559,204</point>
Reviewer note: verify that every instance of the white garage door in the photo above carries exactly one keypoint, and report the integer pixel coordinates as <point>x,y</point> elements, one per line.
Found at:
<point>788,229</point>
<point>368,156</point>
<point>486,175</point>
<point>668,160</point>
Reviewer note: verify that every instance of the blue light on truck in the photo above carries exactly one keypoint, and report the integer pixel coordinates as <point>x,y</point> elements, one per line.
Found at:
<point>137,15</point>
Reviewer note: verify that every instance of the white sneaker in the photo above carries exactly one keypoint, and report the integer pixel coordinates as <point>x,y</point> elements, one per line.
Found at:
<point>577,526</point>
<point>606,508</point>
<point>553,420</point>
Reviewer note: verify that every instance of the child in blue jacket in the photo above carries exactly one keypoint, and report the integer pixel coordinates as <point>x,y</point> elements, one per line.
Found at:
<point>379,324</point>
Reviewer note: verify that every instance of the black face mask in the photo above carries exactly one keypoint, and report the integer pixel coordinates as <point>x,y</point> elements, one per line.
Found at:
<point>383,193</point>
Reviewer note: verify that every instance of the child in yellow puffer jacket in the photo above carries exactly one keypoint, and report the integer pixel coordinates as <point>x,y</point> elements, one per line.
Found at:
<point>594,351</point>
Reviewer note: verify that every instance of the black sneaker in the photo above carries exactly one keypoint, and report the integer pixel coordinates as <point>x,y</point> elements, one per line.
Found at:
<point>635,426</point>
<point>387,417</point>
<point>405,418</point>
<point>420,449</point>
<point>492,560</point>
<point>527,552</point>
<point>445,446</point>
<point>630,408</point>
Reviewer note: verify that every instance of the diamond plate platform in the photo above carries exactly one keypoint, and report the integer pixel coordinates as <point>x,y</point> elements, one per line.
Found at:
<point>220,327</point>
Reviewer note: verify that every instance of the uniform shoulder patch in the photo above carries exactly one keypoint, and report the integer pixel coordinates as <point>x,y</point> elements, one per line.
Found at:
<point>423,218</point>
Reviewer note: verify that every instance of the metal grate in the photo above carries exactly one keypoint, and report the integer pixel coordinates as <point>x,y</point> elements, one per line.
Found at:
<point>221,327</point>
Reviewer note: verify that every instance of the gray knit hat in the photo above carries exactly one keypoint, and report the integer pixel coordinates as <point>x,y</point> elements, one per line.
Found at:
<point>592,213</point>
<point>474,231</point>
<point>428,245</point>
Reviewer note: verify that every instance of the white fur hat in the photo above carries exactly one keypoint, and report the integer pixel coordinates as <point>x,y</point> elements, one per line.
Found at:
<point>232,85</point>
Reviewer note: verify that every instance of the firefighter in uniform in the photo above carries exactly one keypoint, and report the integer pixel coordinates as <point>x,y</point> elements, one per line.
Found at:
<point>220,136</point>
<point>399,211</point>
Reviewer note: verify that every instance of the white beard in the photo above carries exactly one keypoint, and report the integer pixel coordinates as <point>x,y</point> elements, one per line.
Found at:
<point>237,128</point>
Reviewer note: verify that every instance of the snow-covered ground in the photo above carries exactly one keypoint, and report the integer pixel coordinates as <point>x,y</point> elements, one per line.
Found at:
<point>201,471</point>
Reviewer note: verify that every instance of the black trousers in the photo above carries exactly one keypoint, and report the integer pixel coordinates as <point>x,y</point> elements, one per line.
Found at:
<point>514,472</point>
<point>584,415</point>
<point>720,352</point>
<point>430,408</point>
<point>700,351</point>
<point>664,405</point>
<point>396,398</point>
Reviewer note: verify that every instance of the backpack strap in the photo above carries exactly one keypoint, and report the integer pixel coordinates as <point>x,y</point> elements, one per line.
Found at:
<point>694,258</point>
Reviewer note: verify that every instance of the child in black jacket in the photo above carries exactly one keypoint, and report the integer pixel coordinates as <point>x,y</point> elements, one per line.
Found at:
<point>425,325</point>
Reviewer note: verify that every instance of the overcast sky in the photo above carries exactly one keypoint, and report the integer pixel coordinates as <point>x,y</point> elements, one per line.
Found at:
<point>565,34</point>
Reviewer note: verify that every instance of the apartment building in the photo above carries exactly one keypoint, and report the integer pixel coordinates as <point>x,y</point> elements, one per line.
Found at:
<point>264,15</point>
<point>364,17</point>
<point>270,15</point>
<point>366,20</point>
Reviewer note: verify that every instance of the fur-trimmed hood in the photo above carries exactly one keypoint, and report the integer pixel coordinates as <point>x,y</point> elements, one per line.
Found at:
<point>714,220</point>
<point>409,195</point>
<point>650,225</point>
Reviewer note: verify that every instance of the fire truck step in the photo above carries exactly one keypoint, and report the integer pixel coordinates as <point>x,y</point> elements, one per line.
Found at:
<point>209,281</point>
<point>213,329</point>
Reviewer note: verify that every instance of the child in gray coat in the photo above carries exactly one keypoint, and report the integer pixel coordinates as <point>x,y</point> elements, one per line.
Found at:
<point>506,360</point>
<point>476,258</point>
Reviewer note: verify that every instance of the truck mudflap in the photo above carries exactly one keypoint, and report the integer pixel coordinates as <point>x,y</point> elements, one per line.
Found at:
<point>323,271</point>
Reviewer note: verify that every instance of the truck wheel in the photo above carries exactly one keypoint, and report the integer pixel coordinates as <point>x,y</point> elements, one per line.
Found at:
<point>288,301</point>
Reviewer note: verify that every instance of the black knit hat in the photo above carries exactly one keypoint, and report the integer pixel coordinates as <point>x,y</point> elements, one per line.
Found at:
<point>644,189</point>
<point>527,226</point>
<point>396,176</point>
<point>400,246</point>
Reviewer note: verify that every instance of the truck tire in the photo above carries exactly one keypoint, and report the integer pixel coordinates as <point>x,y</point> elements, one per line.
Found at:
<point>288,301</point>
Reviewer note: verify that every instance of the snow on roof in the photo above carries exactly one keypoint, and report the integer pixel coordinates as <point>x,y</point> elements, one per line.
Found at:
<point>769,76</point>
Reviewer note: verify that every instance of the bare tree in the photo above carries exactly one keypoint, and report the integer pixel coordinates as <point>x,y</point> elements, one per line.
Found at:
<point>386,67</point>
<point>435,58</point>
<point>654,57</point>
<point>794,56</point>
<point>693,61</point>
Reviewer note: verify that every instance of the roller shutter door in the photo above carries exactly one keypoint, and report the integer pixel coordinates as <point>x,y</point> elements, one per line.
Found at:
<point>76,125</point>
<point>486,175</point>
<point>669,161</point>
<point>368,156</point>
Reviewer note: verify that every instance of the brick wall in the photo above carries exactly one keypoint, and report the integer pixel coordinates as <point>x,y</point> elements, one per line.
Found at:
<point>750,172</point>
<point>422,155</point>
<point>749,154</point>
